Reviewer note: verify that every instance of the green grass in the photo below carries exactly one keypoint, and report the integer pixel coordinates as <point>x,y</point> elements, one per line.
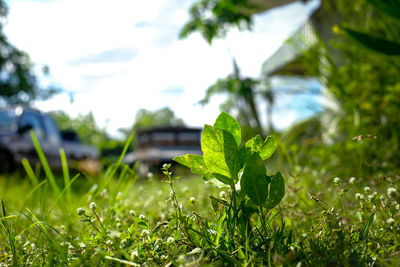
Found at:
<point>116,219</point>
<point>328,223</point>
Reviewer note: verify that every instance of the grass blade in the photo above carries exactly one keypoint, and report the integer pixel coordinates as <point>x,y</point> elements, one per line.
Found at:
<point>66,176</point>
<point>366,226</point>
<point>29,171</point>
<point>45,164</point>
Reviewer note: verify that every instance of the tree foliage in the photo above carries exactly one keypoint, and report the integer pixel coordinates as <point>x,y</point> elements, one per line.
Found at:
<point>213,18</point>
<point>18,83</point>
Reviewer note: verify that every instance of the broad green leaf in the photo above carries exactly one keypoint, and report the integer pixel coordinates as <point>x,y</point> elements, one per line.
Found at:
<point>254,181</point>
<point>276,191</point>
<point>223,179</point>
<point>228,123</point>
<point>264,149</point>
<point>221,154</point>
<point>268,148</point>
<point>255,143</point>
<point>195,163</point>
<point>374,43</point>
<point>390,8</point>
<point>214,181</point>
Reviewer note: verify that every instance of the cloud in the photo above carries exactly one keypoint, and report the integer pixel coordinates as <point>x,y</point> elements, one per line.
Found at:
<point>115,55</point>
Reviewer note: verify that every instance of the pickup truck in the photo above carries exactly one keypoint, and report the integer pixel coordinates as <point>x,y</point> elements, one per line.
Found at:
<point>16,144</point>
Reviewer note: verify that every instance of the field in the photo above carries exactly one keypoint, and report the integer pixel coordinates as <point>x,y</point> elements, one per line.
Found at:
<point>310,217</point>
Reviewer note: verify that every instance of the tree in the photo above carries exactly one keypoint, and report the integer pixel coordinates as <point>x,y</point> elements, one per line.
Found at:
<point>213,18</point>
<point>241,95</point>
<point>90,133</point>
<point>18,83</point>
<point>161,117</point>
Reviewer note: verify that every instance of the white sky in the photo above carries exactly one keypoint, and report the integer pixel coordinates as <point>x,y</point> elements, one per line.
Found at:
<point>119,56</point>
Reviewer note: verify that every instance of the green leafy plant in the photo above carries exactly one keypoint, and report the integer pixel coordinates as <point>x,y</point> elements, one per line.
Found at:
<point>378,44</point>
<point>242,169</point>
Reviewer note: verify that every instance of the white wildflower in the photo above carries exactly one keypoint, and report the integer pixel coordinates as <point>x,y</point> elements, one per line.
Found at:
<point>390,221</point>
<point>336,180</point>
<point>92,206</point>
<point>222,194</point>
<point>132,213</point>
<point>359,196</point>
<point>170,240</point>
<point>352,180</point>
<point>145,233</point>
<point>134,254</point>
<point>80,211</point>
<point>392,192</point>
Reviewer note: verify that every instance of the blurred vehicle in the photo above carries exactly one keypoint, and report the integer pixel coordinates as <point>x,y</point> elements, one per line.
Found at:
<point>160,145</point>
<point>16,143</point>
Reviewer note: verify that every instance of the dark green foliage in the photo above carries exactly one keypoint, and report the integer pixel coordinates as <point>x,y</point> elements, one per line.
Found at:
<point>377,44</point>
<point>212,18</point>
<point>18,83</point>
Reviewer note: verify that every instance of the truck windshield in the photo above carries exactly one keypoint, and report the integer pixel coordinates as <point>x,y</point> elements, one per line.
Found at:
<point>7,119</point>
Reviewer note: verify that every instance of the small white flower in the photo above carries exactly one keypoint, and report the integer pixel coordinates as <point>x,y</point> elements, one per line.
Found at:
<point>134,254</point>
<point>373,195</point>
<point>132,213</point>
<point>80,211</point>
<point>92,206</point>
<point>170,240</point>
<point>391,192</point>
<point>367,189</point>
<point>150,175</point>
<point>390,221</point>
<point>336,180</point>
<point>352,180</point>
<point>359,196</point>
<point>145,233</point>
<point>222,194</point>
<point>142,217</point>
<point>192,200</point>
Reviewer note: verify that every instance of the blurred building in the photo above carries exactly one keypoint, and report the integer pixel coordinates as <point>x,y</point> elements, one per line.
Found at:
<point>160,145</point>
<point>289,58</point>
